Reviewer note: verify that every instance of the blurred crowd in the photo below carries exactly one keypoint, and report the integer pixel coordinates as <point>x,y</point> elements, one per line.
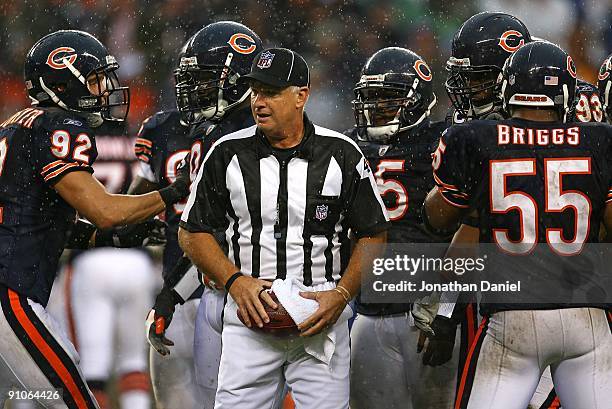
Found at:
<point>336,37</point>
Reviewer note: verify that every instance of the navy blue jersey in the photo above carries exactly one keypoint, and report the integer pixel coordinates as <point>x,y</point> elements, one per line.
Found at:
<point>587,106</point>
<point>402,170</point>
<point>204,135</point>
<point>531,182</point>
<point>37,147</point>
<point>161,144</point>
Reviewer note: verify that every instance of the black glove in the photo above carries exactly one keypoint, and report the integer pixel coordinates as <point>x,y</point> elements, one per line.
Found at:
<point>149,233</point>
<point>178,190</point>
<point>159,319</point>
<point>440,345</point>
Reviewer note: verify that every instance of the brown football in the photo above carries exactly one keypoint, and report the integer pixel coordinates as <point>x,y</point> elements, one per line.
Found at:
<point>281,324</point>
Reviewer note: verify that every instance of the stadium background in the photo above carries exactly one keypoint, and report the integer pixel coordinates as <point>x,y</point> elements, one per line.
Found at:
<point>335,37</point>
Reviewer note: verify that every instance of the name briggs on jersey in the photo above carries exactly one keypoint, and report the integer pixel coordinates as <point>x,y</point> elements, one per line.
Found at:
<point>510,135</point>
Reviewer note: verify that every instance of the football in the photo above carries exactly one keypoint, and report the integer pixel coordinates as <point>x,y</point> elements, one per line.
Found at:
<point>281,324</point>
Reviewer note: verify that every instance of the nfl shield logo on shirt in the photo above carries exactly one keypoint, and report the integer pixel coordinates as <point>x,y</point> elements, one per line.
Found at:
<point>321,212</point>
<point>265,60</point>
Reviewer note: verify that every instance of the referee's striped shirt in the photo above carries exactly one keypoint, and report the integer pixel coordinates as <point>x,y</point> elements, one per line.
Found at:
<point>286,213</point>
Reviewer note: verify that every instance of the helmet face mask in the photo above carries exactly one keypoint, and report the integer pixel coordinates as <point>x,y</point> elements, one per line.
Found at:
<point>473,91</point>
<point>206,80</point>
<point>392,95</point>
<point>74,71</point>
<point>107,96</point>
<point>479,49</point>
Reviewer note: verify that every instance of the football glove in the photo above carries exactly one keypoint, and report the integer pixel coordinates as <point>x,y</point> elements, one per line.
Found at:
<point>159,319</point>
<point>424,311</point>
<point>440,345</point>
<point>149,233</point>
<point>179,189</point>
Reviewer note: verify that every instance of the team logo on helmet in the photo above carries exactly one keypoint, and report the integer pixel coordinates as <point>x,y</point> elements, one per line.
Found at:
<point>57,58</point>
<point>604,71</point>
<point>243,48</point>
<point>514,37</point>
<point>571,67</point>
<point>422,70</point>
<point>265,60</point>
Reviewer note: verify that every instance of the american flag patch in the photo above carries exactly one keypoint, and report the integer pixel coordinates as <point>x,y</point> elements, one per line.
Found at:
<point>551,80</point>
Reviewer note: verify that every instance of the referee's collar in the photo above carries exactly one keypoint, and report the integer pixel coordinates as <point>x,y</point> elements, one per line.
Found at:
<point>304,150</point>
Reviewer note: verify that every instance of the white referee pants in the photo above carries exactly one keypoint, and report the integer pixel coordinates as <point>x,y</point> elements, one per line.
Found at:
<point>255,366</point>
<point>513,348</point>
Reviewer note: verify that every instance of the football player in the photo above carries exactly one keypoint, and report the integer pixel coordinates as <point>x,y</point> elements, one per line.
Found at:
<point>99,285</point>
<point>392,105</point>
<point>511,171</point>
<point>46,157</point>
<point>479,49</point>
<point>213,103</point>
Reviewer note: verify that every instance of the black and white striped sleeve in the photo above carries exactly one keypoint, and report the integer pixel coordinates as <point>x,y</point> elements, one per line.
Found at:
<point>366,212</point>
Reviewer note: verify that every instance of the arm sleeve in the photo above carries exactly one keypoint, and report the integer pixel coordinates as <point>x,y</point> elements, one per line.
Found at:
<point>64,150</point>
<point>205,211</point>
<point>367,214</point>
<point>447,172</point>
<point>143,149</point>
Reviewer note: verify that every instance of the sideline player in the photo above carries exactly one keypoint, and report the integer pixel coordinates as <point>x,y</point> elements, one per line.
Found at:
<point>46,153</point>
<point>539,83</point>
<point>214,104</point>
<point>393,99</point>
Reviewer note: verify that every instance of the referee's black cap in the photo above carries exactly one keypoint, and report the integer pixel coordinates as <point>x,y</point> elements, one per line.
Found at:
<point>279,67</point>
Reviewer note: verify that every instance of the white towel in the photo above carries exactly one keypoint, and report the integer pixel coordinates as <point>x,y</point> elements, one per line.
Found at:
<point>322,345</point>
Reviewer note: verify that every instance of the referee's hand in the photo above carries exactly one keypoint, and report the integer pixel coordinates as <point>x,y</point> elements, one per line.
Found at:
<point>331,305</point>
<point>246,292</point>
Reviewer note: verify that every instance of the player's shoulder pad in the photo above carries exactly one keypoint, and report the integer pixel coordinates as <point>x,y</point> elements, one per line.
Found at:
<point>159,119</point>
<point>60,120</point>
<point>466,133</point>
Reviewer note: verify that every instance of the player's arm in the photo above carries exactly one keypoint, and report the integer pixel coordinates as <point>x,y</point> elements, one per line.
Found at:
<point>89,197</point>
<point>440,217</point>
<point>448,201</point>
<point>85,235</point>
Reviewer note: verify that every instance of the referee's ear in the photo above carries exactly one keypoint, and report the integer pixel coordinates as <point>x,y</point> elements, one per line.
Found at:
<point>302,97</point>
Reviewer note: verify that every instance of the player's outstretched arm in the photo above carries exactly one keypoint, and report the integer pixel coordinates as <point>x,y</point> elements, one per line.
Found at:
<point>87,195</point>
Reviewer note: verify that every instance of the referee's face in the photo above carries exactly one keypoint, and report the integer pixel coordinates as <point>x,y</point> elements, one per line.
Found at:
<point>276,110</point>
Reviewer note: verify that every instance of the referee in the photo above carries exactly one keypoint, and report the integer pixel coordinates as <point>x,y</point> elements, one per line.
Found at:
<point>284,194</point>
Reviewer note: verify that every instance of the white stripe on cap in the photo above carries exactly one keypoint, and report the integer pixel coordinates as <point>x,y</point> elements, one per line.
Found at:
<point>291,68</point>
